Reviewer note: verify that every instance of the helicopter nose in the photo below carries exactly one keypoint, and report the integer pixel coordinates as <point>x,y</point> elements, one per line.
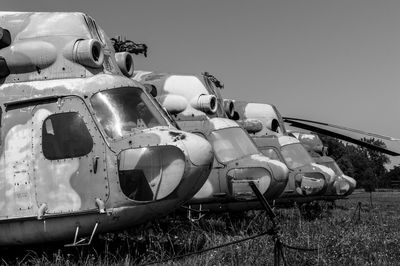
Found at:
<point>150,173</point>
<point>277,177</point>
<point>165,171</point>
<point>280,176</point>
<point>352,184</point>
<point>329,173</point>
<point>310,184</point>
<point>341,186</point>
<point>279,170</point>
<point>239,179</point>
<point>200,155</point>
<point>199,150</point>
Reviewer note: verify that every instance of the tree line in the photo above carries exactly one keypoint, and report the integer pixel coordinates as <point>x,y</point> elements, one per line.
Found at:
<point>366,166</point>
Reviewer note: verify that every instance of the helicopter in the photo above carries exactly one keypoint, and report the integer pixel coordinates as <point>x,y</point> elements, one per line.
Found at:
<point>237,160</point>
<point>342,185</point>
<point>84,148</point>
<point>338,184</point>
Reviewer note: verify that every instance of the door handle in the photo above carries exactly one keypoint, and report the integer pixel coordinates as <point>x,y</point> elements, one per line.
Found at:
<point>95,164</point>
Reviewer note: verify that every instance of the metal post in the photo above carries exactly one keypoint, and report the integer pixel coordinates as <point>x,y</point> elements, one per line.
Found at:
<point>278,247</point>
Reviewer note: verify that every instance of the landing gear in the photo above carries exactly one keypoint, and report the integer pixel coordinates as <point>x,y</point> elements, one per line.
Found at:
<point>83,241</point>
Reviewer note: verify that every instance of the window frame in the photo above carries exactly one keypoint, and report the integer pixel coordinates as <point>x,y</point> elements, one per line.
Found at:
<point>63,155</point>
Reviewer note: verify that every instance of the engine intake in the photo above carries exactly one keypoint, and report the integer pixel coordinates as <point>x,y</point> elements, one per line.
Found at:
<point>252,126</point>
<point>174,104</point>
<point>229,108</point>
<point>88,53</point>
<point>205,103</point>
<point>273,125</point>
<point>125,63</point>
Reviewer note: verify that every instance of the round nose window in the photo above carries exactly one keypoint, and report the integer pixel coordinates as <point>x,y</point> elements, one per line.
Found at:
<point>150,173</point>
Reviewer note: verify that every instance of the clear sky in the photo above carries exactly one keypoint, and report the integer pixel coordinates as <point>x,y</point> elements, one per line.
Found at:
<point>330,60</point>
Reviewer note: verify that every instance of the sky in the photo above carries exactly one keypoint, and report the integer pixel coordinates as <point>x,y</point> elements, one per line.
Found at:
<point>332,61</point>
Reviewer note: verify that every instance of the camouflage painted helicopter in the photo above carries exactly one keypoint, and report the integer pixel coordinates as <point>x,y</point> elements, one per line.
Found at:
<point>272,125</point>
<point>84,149</point>
<point>237,159</point>
<point>342,185</point>
<point>308,180</point>
<point>312,183</point>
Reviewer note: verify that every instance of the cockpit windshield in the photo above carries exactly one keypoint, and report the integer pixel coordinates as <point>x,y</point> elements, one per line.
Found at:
<point>295,155</point>
<point>333,165</point>
<point>123,110</point>
<point>231,144</point>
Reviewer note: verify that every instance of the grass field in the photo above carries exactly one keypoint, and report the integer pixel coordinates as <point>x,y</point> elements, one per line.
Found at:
<point>343,235</point>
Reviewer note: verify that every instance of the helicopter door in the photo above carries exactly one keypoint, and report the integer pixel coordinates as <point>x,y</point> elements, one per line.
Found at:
<point>70,165</point>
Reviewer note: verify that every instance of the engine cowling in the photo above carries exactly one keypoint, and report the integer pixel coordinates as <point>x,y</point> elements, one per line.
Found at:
<point>174,104</point>
<point>252,126</point>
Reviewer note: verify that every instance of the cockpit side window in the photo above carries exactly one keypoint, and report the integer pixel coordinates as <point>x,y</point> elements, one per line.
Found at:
<point>65,135</point>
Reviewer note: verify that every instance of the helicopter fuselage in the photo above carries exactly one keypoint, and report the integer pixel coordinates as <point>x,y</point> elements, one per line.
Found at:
<point>83,148</point>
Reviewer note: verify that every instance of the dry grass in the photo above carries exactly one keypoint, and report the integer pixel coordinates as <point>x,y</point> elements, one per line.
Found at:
<point>343,236</point>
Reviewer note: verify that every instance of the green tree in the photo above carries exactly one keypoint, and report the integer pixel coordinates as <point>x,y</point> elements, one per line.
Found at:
<point>365,165</point>
<point>393,175</point>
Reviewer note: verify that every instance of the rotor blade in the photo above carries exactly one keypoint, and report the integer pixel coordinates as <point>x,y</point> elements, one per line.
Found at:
<point>347,134</point>
<point>289,119</point>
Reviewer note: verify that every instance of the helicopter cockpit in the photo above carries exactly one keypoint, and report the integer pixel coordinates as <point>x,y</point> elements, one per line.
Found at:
<point>341,184</point>
<point>231,144</point>
<point>123,110</point>
<point>295,155</point>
